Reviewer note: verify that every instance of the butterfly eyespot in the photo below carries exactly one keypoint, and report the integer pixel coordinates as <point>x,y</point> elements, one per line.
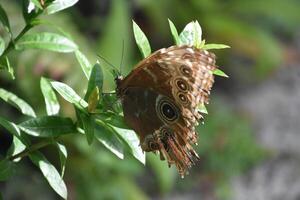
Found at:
<point>152,145</point>
<point>167,111</point>
<point>182,97</point>
<point>149,144</point>
<point>185,70</point>
<point>165,132</point>
<point>181,85</point>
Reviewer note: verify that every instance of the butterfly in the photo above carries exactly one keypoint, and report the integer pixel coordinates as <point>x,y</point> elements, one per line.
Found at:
<point>160,99</point>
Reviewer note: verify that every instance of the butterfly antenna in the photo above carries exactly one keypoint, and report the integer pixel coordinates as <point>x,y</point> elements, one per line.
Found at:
<point>114,69</point>
<point>122,57</point>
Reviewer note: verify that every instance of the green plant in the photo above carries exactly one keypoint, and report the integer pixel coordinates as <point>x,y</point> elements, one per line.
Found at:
<point>98,114</point>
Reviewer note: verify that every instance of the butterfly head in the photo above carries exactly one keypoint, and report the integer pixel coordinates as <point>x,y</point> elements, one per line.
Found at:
<point>118,81</point>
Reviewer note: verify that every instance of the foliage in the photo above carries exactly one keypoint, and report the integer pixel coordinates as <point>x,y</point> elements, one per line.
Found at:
<point>89,110</point>
<point>100,121</point>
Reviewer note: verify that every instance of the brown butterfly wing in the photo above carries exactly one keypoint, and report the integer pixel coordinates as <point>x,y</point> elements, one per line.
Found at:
<point>160,98</point>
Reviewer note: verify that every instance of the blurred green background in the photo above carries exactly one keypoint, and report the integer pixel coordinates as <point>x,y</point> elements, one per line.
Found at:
<point>264,40</point>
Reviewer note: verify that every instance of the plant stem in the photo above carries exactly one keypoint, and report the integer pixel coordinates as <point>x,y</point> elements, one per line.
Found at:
<point>28,150</point>
<point>13,41</point>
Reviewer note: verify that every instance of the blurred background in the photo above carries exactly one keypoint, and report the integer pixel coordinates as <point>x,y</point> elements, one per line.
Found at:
<point>250,142</point>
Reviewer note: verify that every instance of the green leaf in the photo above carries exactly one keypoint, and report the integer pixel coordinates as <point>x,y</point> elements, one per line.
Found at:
<point>9,69</point>
<point>50,24</point>
<point>6,169</point>
<point>5,65</point>
<point>141,40</point>
<point>4,19</point>
<point>37,4</point>
<point>132,140</point>
<point>52,105</point>
<point>50,173</point>
<point>14,130</point>
<point>84,63</point>
<point>202,44</point>
<point>88,123</point>
<point>219,72</point>
<point>215,46</point>
<point>58,5</point>
<point>18,103</point>
<point>110,102</point>
<point>69,94</point>
<point>29,11</point>
<point>201,108</point>
<point>2,45</point>
<point>95,80</point>
<point>93,100</point>
<point>198,34</point>
<point>113,119</point>
<point>174,32</point>
<point>191,35</point>
<point>48,126</point>
<point>107,136</point>
<point>47,41</point>
<point>63,154</point>
<point>16,147</point>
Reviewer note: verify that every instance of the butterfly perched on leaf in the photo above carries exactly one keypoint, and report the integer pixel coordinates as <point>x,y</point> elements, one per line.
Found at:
<point>164,95</point>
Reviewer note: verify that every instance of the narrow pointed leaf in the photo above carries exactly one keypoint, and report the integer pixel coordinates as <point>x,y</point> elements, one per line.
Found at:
<point>18,103</point>
<point>69,94</point>
<point>16,147</point>
<point>84,63</point>
<point>107,136</point>
<point>50,173</point>
<point>202,108</point>
<point>63,154</point>
<point>58,5</point>
<point>95,80</point>
<point>29,11</point>
<point>37,4</point>
<point>14,130</point>
<point>141,40</point>
<point>191,34</point>
<point>4,19</point>
<point>113,119</point>
<point>46,41</point>
<point>88,125</point>
<point>201,45</point>
<point>174,32</point>
<point>198,34</point>
<point>52,104</point>
<point>9,68</point>
<point>2,45</point>
<point>48,126</point>
<point>215,46</point>
<point>219,72</point>
<point>93,100</point>
<point>132,141</point>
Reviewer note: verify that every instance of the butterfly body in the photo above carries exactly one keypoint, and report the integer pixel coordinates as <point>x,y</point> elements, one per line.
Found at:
<point>160,98</point>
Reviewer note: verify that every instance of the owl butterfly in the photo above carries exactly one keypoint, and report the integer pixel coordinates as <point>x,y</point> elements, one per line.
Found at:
<point>160,98</point>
